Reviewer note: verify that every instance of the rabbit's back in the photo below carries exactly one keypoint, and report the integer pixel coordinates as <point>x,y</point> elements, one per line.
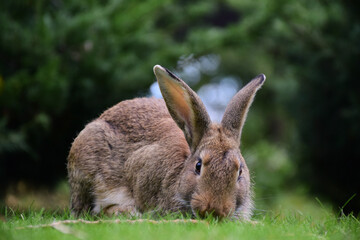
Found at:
<point>137,119</point>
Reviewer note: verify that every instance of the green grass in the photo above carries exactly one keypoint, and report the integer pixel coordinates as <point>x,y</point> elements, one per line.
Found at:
<point>280,225</point>
<point>291,215</point>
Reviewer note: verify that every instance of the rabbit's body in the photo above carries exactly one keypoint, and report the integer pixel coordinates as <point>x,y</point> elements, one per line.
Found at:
<point>131,139</point>
<point>148,153</point>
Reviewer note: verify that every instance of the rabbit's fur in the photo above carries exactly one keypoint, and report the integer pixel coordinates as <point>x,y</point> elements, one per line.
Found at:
<point>146,153</point>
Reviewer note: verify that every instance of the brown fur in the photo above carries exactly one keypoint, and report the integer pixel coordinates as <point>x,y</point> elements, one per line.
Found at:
<point>141,155</point>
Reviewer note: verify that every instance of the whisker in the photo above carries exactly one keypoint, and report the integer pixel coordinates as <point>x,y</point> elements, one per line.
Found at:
<point>261,210</point>
<point>266,197</point>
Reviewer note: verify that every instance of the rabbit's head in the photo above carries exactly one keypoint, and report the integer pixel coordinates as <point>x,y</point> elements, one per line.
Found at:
<point>215,179</point>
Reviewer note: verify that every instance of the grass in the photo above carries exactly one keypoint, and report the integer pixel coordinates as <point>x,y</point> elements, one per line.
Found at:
<point>280,225</point>
<point>293,215</point>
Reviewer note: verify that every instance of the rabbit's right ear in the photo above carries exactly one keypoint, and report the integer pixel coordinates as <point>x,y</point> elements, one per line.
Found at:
<point>184,106</point>
<point>236,111</point>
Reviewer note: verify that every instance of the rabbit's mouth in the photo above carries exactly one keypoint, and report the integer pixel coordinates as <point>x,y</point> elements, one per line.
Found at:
<point>204,206</point>
<point>212,214</point>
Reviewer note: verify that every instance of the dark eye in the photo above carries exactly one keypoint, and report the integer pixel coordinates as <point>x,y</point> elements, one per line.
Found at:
<point>240,171</point>
<point>198,166</point>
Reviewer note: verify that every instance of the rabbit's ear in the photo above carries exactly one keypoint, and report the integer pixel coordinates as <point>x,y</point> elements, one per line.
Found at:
<point>236,111</point>
<point>184,106</point>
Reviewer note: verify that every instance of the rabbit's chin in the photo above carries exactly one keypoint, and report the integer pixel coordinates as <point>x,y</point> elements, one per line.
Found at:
<point>244,211</point>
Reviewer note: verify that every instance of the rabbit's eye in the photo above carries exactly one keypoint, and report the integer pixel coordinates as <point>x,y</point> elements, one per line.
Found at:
<point>198,166</point>
<point>240,171</point>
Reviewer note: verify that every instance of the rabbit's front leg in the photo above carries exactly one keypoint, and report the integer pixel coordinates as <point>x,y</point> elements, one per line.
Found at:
<point>129,211</point>
<point>115,202</point>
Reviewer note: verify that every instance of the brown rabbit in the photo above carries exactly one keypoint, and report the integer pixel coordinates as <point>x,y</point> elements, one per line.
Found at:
<point>146,153</point>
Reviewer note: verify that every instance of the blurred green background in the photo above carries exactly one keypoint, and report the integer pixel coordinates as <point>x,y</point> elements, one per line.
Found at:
<point>62,63</point>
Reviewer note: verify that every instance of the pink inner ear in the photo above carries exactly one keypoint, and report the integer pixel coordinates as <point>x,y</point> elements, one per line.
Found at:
<point>180,100</point>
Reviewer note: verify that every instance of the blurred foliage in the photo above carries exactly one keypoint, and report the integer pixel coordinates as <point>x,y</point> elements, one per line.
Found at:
<point>63,62</point>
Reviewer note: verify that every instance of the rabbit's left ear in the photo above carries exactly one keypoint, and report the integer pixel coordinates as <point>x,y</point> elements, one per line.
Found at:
<point>184,106</point>
<point>236,111</point>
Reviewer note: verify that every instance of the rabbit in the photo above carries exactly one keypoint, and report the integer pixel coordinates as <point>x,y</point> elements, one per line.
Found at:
<point>164,155</point>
